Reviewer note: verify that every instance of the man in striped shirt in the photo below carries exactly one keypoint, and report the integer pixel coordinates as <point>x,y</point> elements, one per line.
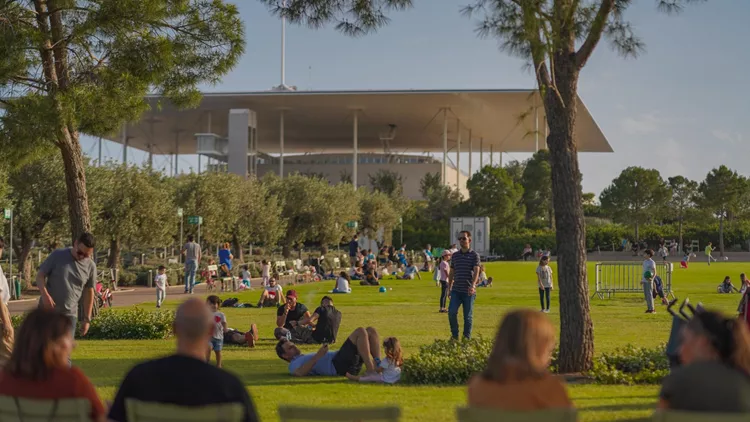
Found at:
<point>462,283</point>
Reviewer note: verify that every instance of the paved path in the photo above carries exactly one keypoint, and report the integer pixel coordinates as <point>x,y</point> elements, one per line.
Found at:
<point>125,297</point>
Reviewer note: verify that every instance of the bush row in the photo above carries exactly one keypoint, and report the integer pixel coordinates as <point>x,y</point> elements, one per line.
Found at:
<point>125,324</point>
<point>447,362</point>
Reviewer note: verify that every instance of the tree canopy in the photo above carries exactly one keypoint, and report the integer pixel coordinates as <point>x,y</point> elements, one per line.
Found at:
<point>720,195</point>
<point>493,193</point>
<point>636,197</point>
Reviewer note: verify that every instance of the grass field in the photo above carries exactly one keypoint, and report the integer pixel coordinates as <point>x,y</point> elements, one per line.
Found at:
<point>409,311</point>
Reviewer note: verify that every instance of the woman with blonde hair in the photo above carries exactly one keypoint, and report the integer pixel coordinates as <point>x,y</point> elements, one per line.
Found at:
<point>517,377</point>
<point>715,376</point>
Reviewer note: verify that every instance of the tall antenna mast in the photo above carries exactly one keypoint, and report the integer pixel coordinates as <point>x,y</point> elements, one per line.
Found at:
<point>283,46</point>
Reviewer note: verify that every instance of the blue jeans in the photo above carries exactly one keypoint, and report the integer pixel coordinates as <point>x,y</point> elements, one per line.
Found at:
<point>191,266</point>
<point>467,301</point>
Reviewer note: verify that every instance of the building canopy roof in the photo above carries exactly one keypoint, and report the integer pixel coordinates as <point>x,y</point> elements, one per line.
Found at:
<point>322,121</point>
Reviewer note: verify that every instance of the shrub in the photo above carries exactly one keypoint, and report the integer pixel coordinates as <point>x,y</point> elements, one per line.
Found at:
<point>447,362</point>
<point>631,365</point>
<point>128,324</point>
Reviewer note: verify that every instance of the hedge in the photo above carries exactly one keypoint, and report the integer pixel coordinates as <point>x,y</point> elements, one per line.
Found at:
<point>125,324</point>
<point>448,362</point>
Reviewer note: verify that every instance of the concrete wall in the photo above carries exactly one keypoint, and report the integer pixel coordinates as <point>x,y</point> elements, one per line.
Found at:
<point>411,174</point>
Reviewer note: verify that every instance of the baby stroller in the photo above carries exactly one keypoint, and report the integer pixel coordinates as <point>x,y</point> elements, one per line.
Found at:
<point>103,296</point>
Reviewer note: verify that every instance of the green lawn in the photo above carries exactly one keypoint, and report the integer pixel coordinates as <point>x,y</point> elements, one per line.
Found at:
<point>409,311</point>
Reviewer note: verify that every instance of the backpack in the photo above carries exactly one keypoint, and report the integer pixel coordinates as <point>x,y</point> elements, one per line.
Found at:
<point>228,303</point>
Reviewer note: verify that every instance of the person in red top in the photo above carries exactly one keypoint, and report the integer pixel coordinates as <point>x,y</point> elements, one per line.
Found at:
<point>39,368</point>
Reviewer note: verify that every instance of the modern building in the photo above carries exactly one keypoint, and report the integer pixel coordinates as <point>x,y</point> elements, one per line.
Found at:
<point>352,132</point>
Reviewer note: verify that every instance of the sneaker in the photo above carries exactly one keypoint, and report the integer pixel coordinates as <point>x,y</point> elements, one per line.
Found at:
<point>546,311</point>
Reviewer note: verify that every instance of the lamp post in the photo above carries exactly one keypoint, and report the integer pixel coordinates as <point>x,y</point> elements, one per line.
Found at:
<point>180,214</point>
<point>401,221</point>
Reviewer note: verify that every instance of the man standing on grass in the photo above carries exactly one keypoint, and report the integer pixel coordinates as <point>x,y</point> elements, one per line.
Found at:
<point>462,284</point>
<point>353,251</point>
<point>66,276</point>
<point>192,252</point>
<point>709,249</point>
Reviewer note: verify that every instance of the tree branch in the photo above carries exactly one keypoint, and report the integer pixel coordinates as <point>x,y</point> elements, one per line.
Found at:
<point>595,33</point>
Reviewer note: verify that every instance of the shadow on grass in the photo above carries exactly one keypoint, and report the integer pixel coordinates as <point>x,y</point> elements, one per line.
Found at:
<point>256,372</point>
<point>619,407</point>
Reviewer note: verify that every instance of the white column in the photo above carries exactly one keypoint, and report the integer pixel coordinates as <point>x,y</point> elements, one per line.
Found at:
<point>501,158</point>
<point>151,155</point>
<point>281,145</point>
<point>176,153</point>
<point>99,162</point>
<point>445,144</point>
<point>481,153</point>
<point>355,137</point>
<point>471,151</point>
<point>492,163</point>
<point>458,153</point>
<point>125,143</point>
<point>536,129</point>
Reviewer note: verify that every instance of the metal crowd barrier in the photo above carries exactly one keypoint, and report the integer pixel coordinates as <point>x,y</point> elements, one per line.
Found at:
<point>625,277</point>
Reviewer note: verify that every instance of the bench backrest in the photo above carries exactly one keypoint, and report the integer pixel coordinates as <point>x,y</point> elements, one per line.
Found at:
<point>676,416</point>
<point>470,414</point>
<point>30,410</point>
<point>336,263</point>
<point>139,411</point>
<point>213,268</point>
<point>280,266</point>
<point>375,414</point>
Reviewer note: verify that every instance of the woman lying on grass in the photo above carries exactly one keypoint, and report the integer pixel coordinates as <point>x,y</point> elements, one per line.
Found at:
<point>517,377</point>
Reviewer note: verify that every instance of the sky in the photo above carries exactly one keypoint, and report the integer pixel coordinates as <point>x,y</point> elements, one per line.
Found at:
<point>682,107</point>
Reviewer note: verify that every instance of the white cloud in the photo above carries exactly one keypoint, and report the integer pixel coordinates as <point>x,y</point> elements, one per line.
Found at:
<point>641,124</point>
<point>729,137</point>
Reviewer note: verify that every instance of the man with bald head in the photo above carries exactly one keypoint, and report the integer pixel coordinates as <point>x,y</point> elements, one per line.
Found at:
<point>184,379</point>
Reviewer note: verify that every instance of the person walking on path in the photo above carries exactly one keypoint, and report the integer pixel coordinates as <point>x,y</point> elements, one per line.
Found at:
<point>353,251</point>
<point>649,272</point>
<point>66,276</point>
<point>192,252</point>
<point>462,281</point>
<point>708,250</point>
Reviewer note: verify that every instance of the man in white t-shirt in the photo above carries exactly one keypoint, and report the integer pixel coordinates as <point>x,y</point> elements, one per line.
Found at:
<point>161,285</point>
<point>272,295</point>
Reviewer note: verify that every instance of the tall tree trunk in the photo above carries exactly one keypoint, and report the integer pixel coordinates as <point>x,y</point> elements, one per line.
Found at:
<point>237,248</point>
<point>679,234</point>
<point>576,327</point>
<point>113,261</point>
<point>75,180</point>
<point>721,235</point>
<point>24,259</point>
<point>637,233</point>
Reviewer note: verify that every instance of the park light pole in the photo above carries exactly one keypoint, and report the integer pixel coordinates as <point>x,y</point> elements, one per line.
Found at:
<point>401,221</point>
<point>180,213</point>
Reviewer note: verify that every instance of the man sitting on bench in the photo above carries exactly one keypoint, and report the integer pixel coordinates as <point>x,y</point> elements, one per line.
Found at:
<point>362,347</point>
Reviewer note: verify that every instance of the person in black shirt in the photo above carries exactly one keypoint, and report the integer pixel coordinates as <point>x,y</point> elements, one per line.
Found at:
<point>289,315</point>
<point>326,320</point>
<point>184,379</point>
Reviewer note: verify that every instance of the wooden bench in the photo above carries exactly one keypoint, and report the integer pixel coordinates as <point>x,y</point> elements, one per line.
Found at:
<point>226,282</point>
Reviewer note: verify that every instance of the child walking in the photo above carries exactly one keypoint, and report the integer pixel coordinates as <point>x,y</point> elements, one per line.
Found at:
<point>389,369</point>
<point>220,325</point>
<point>444,269</point>
<point>544,281</point>
<point>265,268</point>
<point>161,285</point>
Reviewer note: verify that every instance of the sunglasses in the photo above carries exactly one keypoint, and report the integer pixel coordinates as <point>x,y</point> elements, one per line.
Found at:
<point>463,238</point>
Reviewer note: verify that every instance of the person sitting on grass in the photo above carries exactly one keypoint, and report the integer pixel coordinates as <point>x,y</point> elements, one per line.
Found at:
<point>342,283</point>
<point>323,324</point>
<point>402,258</point>
<point>389,369</point>
<point>715,353</point>
<point>726,286</point>
<point>361,347</point>
<point>239,338</point>
<point>184,379</point>
<point>246,277</point>
<point>483,280</point>
<point>220,325</point>
<point>410,272</point>
<point>371,276</point>
<point>272,294</point>
<point>357,273</point>
<point>288,316</point>
<point>517,377</point>
<point>39,367</point>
